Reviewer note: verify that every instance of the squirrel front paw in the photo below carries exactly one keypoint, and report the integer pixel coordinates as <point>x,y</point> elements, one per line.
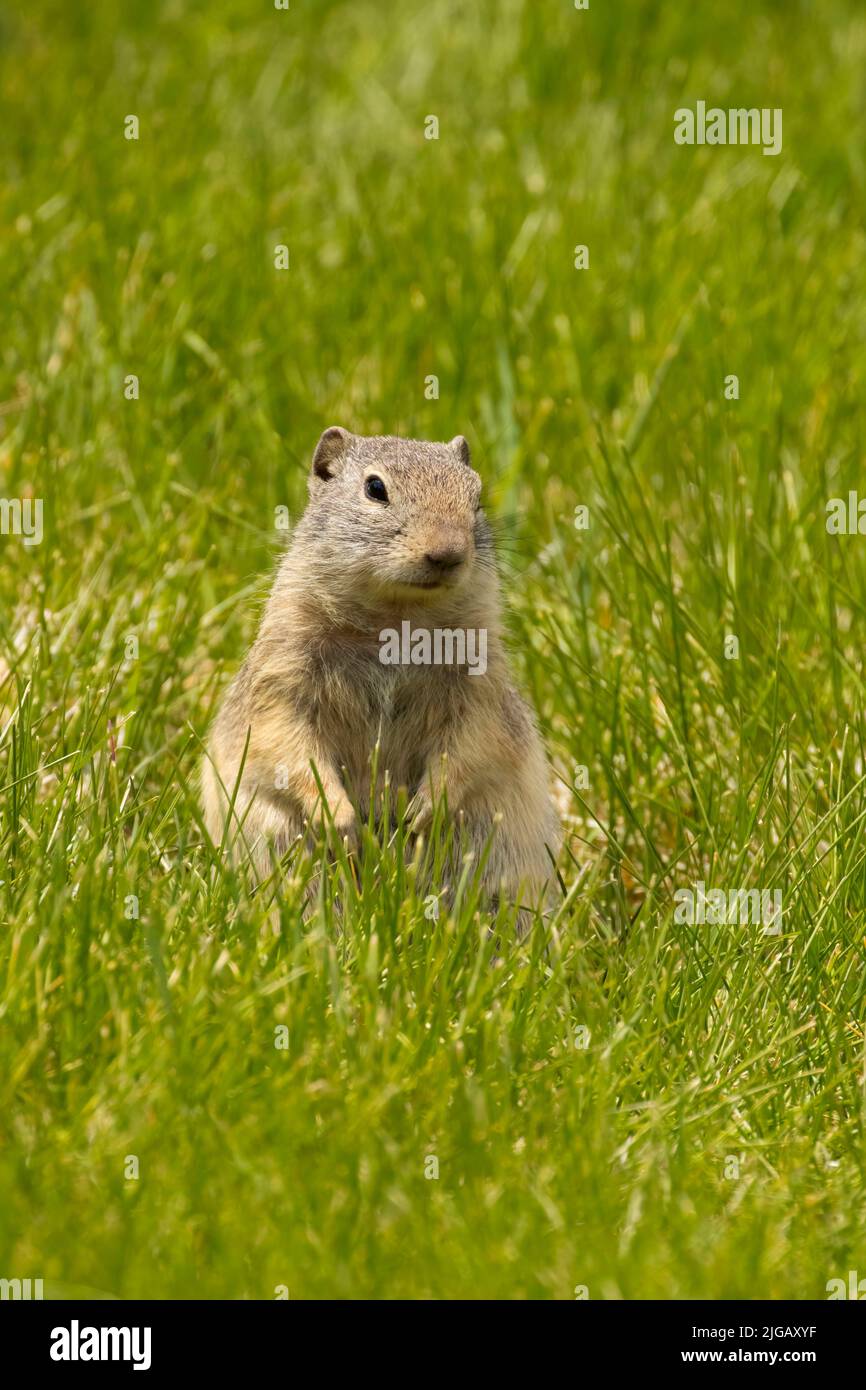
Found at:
<point>339,818</point>
<point>343,817</point>
<point>419,813</point>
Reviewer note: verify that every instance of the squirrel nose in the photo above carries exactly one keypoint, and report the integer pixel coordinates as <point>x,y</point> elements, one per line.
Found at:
<point>446,557</point>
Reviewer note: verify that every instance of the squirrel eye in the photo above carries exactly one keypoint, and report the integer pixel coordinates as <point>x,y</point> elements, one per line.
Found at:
<point>375,489</point>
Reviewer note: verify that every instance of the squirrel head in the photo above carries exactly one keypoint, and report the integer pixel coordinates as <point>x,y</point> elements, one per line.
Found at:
<point>397,518</point>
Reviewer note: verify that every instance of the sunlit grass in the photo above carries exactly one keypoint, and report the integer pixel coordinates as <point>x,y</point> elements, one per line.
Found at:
<point>619,1101</point>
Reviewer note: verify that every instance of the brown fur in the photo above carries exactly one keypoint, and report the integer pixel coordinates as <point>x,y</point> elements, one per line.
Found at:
<point>313,689</point>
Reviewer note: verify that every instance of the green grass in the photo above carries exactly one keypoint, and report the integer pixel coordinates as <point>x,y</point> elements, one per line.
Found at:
<point>559,1165</point>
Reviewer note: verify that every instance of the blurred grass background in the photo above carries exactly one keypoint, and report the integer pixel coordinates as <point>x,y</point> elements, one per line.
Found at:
<point>607,1166</point>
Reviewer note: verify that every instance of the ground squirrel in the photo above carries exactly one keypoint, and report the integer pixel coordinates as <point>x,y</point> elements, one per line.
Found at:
<point>384,624</point>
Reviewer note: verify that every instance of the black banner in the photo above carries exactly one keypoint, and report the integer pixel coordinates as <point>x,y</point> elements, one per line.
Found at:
<point>152,1338</point>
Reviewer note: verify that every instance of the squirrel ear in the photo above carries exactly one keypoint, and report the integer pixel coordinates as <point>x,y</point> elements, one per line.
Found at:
<point>461,448</point>
<point>329,450</point>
